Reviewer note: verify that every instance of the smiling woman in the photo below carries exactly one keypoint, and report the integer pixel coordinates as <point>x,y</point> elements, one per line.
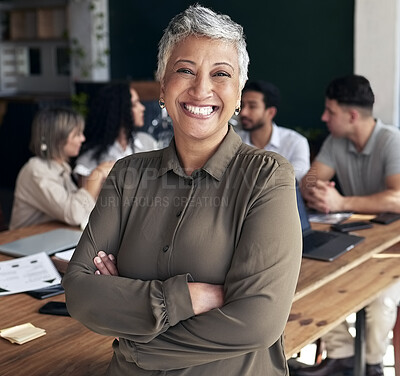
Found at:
<point>201,91</point>
<point>185,259</point>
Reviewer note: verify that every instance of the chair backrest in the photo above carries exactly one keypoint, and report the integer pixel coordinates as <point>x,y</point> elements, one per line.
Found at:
<point>15,134</point>
<point>3,225</point>
<point>6,202</point>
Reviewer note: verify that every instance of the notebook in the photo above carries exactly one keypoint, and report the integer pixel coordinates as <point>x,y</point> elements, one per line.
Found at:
<point>323,245</point>
<point>49,242</point>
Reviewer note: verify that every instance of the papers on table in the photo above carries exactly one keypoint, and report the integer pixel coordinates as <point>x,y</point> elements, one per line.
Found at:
<point>65,255</point>
<point>22,333</point>
<point>27,273</point>
<point>330,218</point>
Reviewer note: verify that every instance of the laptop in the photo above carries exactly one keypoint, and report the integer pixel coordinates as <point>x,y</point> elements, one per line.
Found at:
<point>49,242</point>
<point>323,245</point>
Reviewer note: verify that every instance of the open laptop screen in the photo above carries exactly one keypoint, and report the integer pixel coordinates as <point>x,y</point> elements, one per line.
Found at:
<point>305,223</point>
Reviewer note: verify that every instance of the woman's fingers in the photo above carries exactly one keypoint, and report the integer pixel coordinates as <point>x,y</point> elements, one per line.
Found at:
<point>105,264</point>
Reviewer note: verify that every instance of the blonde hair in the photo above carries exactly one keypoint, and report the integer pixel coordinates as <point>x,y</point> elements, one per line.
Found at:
<point>50,131</point>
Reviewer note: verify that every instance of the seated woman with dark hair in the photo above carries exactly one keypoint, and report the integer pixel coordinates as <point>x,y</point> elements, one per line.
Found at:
<point>112,130</point>
<point>44,189</point>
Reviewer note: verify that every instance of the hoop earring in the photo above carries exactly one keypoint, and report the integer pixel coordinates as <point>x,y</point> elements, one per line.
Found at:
<point>237,111</point>
<point>161,103</point>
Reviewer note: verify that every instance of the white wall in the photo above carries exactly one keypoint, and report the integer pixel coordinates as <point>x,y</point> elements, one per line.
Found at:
<point>376,53</point>
<point>83,24</point>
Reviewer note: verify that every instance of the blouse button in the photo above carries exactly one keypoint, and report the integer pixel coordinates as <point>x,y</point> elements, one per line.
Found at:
<point>165,249</point>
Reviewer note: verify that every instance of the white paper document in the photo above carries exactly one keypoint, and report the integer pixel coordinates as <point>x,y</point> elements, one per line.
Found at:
<point>330,218</point>
<point>65,255</point>
<point>27,273</point>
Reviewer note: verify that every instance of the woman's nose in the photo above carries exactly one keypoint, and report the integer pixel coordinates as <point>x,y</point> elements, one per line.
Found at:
<point>201,87</point>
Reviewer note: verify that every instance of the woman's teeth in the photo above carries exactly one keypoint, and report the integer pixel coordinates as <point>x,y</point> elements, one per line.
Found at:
<point>199,110</point>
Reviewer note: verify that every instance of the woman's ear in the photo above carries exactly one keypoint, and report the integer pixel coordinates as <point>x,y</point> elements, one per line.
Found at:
<point>239,101</point>
<point>162,91</point>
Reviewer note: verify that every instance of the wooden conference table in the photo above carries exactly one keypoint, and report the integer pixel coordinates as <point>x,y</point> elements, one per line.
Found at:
<point>327,292</point>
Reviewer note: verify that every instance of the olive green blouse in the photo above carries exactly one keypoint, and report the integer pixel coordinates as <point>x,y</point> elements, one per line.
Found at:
<point>233,222</point>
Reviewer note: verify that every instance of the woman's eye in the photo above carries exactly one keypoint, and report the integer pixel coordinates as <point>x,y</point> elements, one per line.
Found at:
<point>184,70</point>
<point>222,74</point>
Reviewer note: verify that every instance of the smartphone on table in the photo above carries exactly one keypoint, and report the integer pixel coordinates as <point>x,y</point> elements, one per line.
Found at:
<point>54,308</point>
<point>351,226</point>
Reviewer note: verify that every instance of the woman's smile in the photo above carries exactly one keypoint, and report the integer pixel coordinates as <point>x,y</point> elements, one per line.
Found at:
<point>201,88</point>
<point>199,111</point>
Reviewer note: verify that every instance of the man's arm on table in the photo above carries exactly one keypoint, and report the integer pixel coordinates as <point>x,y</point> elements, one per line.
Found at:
<point>318,172</point>
<point>321,194</point>
<point>385,201</point>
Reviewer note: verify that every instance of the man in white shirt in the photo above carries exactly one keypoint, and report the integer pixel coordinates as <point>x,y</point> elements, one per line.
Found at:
<point>260,101</point>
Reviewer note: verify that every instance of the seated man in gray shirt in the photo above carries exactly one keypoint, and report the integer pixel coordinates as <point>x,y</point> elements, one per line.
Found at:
<point>364,154</point>
<point>260,101</point>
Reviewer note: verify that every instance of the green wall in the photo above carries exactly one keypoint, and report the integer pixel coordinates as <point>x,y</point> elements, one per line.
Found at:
<point>299,45</point>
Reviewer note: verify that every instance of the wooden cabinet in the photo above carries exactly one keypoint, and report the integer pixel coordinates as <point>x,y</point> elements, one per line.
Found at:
<point>22,24</point>
<point>51,23</point>
<point>34,47</point>
<point>39,23</point>
<point>22,20</point>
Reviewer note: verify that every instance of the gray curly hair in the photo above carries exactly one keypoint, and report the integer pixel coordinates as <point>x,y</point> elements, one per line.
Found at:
<point>203,22</point>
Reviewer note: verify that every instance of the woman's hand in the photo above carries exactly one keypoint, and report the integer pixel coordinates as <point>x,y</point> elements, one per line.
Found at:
<point>102,170</point>
<point>205,296</point>
<point>106,264</point>
<point>95,180</point>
